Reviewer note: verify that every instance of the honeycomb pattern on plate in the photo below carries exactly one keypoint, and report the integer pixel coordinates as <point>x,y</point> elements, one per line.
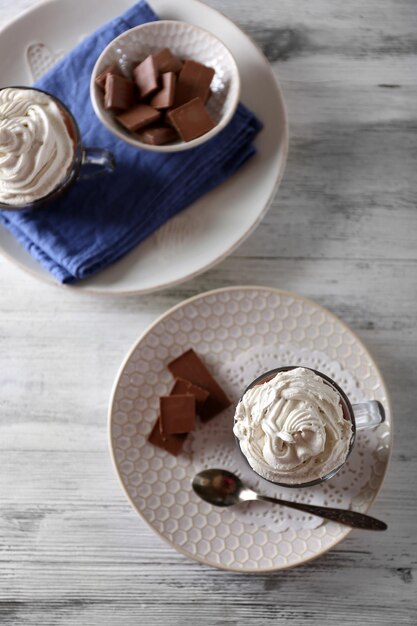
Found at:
<point>219,325</point>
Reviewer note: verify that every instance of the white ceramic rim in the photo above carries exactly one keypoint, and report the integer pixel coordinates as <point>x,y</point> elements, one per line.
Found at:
<point>130,139</point>
<point>283,293</point>
<point>45,278</point>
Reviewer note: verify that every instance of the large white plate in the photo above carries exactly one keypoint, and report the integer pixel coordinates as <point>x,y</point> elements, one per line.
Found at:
<point>220,325</point>
<point>214,226</point>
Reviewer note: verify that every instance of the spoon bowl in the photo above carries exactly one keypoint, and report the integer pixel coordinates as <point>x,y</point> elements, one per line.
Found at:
<point>218,487</point>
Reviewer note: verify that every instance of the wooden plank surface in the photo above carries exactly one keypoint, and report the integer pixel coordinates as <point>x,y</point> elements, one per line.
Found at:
<point>342,230</point>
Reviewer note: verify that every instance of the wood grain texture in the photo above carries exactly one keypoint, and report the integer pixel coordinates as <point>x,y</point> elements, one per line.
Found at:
<point>342,230</point>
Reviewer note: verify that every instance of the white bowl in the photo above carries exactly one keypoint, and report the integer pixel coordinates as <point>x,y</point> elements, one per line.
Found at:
<point>187,42</point>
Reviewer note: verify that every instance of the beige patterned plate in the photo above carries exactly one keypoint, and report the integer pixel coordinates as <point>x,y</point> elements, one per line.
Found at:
<point>204,233</point>
<point>220,325</point>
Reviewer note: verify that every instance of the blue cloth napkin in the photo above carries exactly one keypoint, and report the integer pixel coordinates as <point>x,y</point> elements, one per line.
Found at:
<point>96,223</point>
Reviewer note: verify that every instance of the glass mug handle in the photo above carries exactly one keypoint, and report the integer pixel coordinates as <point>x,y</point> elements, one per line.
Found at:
<point>95,162</point>
<point>368,414</point>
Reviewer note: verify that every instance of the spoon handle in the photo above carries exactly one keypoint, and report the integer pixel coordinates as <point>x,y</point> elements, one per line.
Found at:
<point>343,516</point>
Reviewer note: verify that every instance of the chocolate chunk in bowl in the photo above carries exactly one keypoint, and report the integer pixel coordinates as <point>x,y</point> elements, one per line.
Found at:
<point>194,81</point>
<point>146,76</point>
<point>158,135</point>
<point>182,100</point>
<point>191,119</point>
<point>200,66</point>
<point>101,78</point>
<point>138,117</point>
<point>118,93</point>
<point>164,98</point>
<point>166,61</point>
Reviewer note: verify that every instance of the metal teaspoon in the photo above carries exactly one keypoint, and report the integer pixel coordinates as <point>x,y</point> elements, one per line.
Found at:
<point>222,488</point>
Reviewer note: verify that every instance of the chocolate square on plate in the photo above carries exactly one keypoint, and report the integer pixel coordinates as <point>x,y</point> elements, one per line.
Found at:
<point>184,387</point>
<point>190,367</point>
<point>172,443</point>
<point>177,414</point>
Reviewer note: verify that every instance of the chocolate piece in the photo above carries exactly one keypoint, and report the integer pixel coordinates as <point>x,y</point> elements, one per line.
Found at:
<point>172,443</point>
<point>184,387</point>
<point>118,93</point>
<point>191,119</point>
<point>158,135</point>
<point>177,414</point>
<point>101,78</point>
<point>138,117</point>
<point>145,76</point>
<point>190,367</point>
<point>166,120</point>
<point>193,82</point>
<point>165,61</point>
<point>165,96</point>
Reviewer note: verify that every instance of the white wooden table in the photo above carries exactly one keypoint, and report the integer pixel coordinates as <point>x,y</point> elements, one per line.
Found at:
<point>342,231</point>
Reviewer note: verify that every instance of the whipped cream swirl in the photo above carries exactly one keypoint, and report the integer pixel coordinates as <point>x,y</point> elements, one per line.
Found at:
<point>291,428</point>
<point>36,150</point>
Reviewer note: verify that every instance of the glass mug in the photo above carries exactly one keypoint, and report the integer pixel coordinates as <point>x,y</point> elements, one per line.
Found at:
<point>361,416</point>
<point>83,158</point>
